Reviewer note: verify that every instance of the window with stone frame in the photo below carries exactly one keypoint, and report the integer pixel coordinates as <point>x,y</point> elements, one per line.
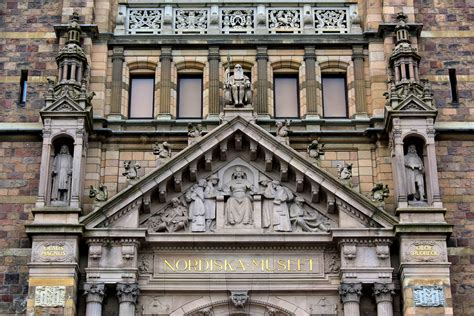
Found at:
<point>141,96</point>
<point>286,96</point>
<point>334,87</point>
<point>190,98</point>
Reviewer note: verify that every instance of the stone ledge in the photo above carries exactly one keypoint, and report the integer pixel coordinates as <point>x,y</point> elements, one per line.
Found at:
<point>36,229</point>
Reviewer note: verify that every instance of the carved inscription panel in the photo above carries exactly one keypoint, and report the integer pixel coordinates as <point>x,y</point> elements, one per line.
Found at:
<point>53,251</point>
<point>50,296</point>
<point>425,251</point>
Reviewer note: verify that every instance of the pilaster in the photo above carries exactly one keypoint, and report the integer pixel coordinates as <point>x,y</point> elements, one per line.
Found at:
<point>261,105</point>
<point>311,88</point>
<point>117,76</point>
<point>214,80</point>
<point>165,83</point>
<point>359,80</point>
<point>350,295</point>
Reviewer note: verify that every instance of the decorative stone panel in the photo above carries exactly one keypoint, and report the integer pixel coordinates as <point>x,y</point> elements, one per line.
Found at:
<point>191,21</point>
<point>284,20</point>
<point>331,20</point>
<point>241,20</point>
<point>144,21</point>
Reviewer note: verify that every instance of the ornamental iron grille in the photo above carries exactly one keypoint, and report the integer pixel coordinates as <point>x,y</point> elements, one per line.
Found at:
<point>284,20</point>
<point>144,21</point>
<point>331,20</point>
<point>238,21</point>
<point>194,21</point>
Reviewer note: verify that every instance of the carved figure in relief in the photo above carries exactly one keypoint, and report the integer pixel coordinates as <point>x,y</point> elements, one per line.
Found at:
<point>280,215</point>
<point>414,173</point>
<point>238,209</point>
<point>282,131</point>
<point>238,88</point>
<point>315,150</point>
<point>344,171</point>
<point>267,205</point>
<point>173,219</point>
<point>162,150</point>
<point>99,194</point>
<point>302,218</point>
<point>379,192</point>
<point>131,169</point>
<point>197,210</point>
<point>210,193</point>
<point>194,133</point>
<point>62,175</point>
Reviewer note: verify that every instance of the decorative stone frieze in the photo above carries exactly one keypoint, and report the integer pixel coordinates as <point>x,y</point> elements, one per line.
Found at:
<point>191,21</point>
<point>238,21</point>
<point>284,20</point>
<point>144,21</point>
<point>331,20</point>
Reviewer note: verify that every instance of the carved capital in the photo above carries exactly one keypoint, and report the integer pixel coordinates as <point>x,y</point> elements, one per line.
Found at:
<point>383,292</point>
<point>127,292</point>
<point>117,54</point>
<point>94,292</point>
<point>350,292</point>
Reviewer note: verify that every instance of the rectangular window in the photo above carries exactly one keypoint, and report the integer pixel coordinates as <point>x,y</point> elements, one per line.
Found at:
<point>23,86</point>
<point>453,81</point>
<point>142,96</point>
<point>189,96</point>
<point>286,96</point>
<point>334,95</point>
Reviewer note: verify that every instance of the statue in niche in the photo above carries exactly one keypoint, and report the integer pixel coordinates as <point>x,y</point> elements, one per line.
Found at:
<point>61,176</point>
<point>162,150</point>
<point>301,218</point>
<point>238,89</point>
<point>210,194</point>
<point>131,169</point>
<point>379,192</point>
<point>282,131</point>
<point>173,219</point>
<point>280,215</point>
<point>197,210</point>
<point>99,194</point>
<point>238,209</point>
<point>414,173</point>
<point>315,150</point>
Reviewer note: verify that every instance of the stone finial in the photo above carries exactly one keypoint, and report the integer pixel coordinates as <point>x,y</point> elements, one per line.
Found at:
<point>350,292</point>
<point>383,292</point>
<point>127,292</point>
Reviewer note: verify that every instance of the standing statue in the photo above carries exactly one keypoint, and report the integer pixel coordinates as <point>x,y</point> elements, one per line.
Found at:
<point>62,175</point>
<point>131,169</point>
<point>282,131</point>
<point>281,217</point>
<point>210,193</point>
<point>197,210</point>
<point>238,208</point>
<point>414,172</point>
<point>301,218</point>
<point>315,150</point>
<point>267,205</point>
<point>238,89</point>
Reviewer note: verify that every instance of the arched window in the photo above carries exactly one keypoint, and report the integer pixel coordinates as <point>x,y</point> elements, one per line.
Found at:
<point>286,91</point>
<point>141,94</point>
<point>189,90</point>
<point>334,89</point>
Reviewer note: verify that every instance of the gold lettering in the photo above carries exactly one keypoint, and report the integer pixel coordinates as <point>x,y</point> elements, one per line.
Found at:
<point>282,265</point>
<point>169,265</point>
<point>227,264</point>
<point>310,264</point>
<point>298,264</point>
<point>267,268</point>
<point>242,265</point>
<point>185,262</point>
<point>289,265</point>
<point>218,265</point>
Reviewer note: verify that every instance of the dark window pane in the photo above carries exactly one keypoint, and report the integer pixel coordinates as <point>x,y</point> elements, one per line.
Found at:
<point>286,96</point>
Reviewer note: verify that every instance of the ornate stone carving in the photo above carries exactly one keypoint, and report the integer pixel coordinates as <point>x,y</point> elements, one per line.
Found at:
<point>383,292</point>
<point>425,251</point>
<point>50,296</point>
<point>61,177</point>
<point>331,20</point>
<point>197,210</point>
<point>131,169</point>
<point>53,251</point>
<point>237,21</point>
<point>238,208</point>
<point>174,218</point>
<point>239,298</point>
<point>145,21</point>
<point>305,220</point>
<point>94,292</point>
<point>315,150</point>
<point>191,21</point>
<point>414,171</point>
<point>162,150</point>
<point>332,264</point>
<point>95,253</point>
<point>344,173</point>
<point>350,292</point>
<point>379,192</point>
<point>284,20</point>
<point>428,296</point>
<point>349,251</point>
<point>382,251</point>
<point>275,211</point>
<point>145,262</point>
<point>99,194</point>
<point>210,194</point>
<point>238,89</point>
<point>195,133</point>
<point>127,292</point>
<point>282,131</point>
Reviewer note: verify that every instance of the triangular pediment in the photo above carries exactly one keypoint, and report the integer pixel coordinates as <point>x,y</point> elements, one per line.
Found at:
<point>413,103</point>
<point>238,144</point>
<point>64,104</point>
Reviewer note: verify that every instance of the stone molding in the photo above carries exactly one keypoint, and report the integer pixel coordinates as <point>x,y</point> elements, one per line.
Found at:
<point>350,292</point>
<point>127,292</point>
<point>94,292</point>
<point>383,292</point>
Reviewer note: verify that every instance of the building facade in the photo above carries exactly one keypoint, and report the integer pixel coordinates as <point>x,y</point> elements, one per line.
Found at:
<point>236,158</point>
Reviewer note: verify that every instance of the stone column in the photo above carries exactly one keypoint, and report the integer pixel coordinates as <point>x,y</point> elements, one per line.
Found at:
<point>383,297</point>
<point>262,81</point>
<point>127,294</point>
<point>350,296</point>
<point>94,295</point>
<point>359,79</point>
<point>165,83</point>
<point>117,77</point>
<point>310,65</point>
<point>214,59</point>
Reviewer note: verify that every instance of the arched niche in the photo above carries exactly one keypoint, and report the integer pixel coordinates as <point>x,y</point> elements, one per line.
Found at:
<point>60,170</point>
<point>415,163</point>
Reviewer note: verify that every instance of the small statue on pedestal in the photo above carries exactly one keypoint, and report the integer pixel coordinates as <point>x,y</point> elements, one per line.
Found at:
<point>238,92</point>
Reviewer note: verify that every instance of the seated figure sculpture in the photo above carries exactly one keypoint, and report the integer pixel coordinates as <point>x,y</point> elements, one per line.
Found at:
<point>238,91</point>
<point>238,209</point>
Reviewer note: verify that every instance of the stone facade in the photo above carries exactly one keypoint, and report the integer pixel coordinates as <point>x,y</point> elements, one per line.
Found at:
<point>124,251</point>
